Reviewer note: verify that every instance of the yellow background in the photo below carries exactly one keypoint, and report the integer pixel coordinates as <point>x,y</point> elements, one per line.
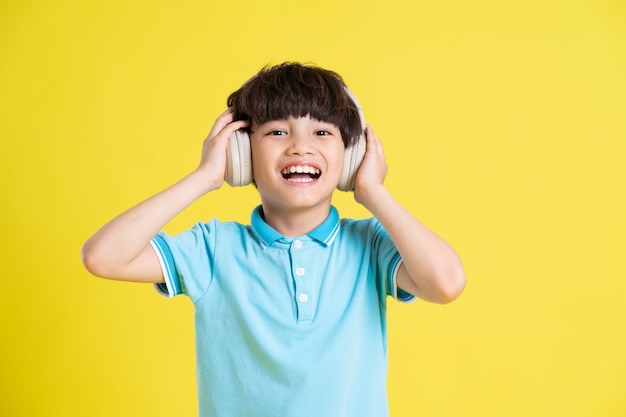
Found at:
<point>504,124</point>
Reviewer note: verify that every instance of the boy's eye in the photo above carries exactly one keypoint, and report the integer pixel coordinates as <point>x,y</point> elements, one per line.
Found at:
<point>322,133</point>
<point>276,133</point>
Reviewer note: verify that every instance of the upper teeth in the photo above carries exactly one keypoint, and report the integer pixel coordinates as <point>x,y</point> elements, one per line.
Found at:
<point>300,169</point>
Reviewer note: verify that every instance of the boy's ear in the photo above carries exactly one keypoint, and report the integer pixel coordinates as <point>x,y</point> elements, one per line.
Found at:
<point>238,159</point>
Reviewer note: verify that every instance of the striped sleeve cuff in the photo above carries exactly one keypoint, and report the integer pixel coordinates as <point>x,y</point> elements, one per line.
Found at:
<point>171,287</point>
<point>396,292</point>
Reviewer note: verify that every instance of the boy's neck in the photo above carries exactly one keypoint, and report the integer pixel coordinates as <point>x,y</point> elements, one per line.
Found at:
<point>295,222</point>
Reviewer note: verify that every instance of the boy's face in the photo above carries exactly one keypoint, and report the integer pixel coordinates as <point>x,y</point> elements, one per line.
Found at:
<point>297,163</point>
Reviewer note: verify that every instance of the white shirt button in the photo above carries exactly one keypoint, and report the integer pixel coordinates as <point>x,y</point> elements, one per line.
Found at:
<point>297,244</point>
<point>303,298</point>
<point>300,272</point>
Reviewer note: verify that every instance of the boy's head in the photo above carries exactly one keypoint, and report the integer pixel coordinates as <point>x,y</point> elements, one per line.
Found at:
<point>297,90</point>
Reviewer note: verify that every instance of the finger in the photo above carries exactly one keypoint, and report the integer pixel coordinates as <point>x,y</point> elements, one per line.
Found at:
<point>222,121</point>
<point>225,125</point>
<point>370,134</point>
<point>231,127</point>
<point>373,141</point>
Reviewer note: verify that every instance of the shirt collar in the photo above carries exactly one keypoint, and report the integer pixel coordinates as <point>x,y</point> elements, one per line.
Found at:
<point>325,233</point>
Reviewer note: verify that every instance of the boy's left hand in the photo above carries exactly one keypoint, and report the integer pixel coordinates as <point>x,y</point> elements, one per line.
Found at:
<point>373,169</point>
<point>430,268</point>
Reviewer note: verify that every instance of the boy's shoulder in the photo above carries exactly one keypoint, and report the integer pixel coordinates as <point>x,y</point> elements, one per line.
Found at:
<point>367,223</point>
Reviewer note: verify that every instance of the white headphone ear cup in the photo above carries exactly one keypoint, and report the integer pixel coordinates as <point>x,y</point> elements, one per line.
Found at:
<point>245,159</point>
<point>354,154</point>
<point>352,162</point>
<point>238,160</point>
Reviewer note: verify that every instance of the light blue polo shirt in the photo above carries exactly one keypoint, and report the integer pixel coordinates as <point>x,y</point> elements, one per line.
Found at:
<point>287,326</point>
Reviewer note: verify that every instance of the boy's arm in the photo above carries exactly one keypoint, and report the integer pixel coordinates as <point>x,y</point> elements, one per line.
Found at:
<point>121,248</point>
<point>431,269</point>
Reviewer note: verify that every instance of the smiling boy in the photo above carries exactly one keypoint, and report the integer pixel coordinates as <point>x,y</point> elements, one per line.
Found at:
<point>290,310</point>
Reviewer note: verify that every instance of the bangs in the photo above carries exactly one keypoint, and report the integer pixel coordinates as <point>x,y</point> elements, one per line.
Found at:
<point>295,90</point>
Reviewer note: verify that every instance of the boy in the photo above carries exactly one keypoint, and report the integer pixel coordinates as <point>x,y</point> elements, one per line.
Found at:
<point>290,310</point>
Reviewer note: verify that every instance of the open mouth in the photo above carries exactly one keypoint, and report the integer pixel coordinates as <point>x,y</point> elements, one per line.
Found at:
<point>301,173</point>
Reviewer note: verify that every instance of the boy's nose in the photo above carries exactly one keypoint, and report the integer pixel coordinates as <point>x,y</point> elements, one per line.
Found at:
<point>300,144</point>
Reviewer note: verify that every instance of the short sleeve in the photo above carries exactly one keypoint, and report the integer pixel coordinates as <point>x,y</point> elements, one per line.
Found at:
<point>397,292</point>
<point>389,260</point>
<point>186,260</point>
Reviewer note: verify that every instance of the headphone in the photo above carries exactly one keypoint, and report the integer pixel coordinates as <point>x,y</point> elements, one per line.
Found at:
<point>239,157</point>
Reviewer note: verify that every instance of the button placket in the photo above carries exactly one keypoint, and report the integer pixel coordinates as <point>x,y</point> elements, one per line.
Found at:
<point>302,282</point>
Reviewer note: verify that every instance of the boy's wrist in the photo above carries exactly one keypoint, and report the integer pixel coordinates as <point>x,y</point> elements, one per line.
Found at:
<point>369,196</point>
<point>202,183</point>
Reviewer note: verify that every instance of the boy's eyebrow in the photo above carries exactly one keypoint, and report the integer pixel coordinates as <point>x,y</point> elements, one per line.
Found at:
<point>282,119</point>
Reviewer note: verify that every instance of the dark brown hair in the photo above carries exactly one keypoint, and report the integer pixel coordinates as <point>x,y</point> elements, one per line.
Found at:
<point>296,90</point>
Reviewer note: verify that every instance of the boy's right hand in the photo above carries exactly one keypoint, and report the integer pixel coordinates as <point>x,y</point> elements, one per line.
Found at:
<point>213,160</point>
<point>121,249</point>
